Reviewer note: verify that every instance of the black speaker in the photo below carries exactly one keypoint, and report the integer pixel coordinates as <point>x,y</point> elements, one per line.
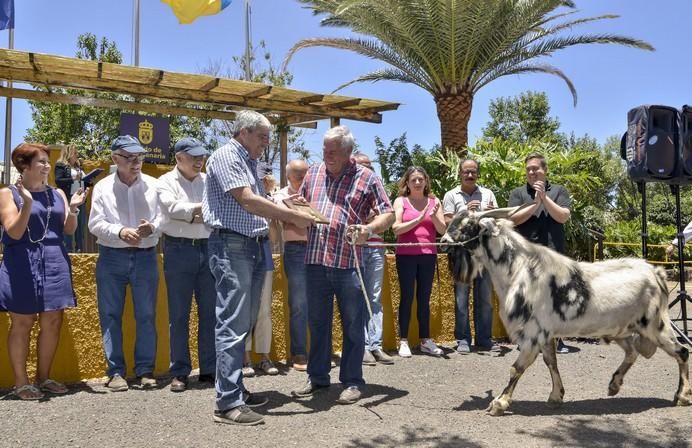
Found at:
<point>651,146</point>
<point>686,142</point>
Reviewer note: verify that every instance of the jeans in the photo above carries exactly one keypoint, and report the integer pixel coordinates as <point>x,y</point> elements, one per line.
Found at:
<point>373,273</point>
<point>482,311</point>
<point>115,269</point>
<point>237,264</point>
<point>75,243</point>
<point>324,283</point>
<point>415,271</point>
<point>294,267</point>
<point>186,268</point>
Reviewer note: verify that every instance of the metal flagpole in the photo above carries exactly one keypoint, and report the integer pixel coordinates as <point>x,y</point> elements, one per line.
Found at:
<point>135,33</point>
<point>248,42</point>
<point>8,124</point>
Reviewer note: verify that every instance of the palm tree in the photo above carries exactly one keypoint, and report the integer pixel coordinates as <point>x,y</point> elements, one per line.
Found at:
<point>453,48</point>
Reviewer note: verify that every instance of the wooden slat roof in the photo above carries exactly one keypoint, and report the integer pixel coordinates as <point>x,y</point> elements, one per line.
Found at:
<point>181,93</point>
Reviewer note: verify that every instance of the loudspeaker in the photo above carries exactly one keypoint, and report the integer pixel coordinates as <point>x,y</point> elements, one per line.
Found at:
<point>686,142</point>
<point>651,146</point>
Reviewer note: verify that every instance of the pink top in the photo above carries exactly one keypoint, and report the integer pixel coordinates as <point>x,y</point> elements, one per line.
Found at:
<point>424,232</point>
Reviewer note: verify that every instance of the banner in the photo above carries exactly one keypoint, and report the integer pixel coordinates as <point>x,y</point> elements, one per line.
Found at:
<point>153,133</point>
<point>6,14</point>
<point>187,11</point>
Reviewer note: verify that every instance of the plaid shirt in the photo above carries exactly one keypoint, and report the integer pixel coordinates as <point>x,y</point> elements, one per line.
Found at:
<point>231,167</point>
<point>345,200</point>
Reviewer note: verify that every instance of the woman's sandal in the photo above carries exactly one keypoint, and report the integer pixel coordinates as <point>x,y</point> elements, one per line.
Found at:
<point>53,387</point>
<point>28,392</point>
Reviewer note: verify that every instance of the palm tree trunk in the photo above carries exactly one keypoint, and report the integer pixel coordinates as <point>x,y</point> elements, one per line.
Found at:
<point>454,112</point>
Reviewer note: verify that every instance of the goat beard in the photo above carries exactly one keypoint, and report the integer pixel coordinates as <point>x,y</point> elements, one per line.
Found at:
<point>462,266</point>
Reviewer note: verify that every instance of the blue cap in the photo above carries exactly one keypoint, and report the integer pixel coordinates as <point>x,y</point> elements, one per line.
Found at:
<point>127,143</point>
<point>191,146</point>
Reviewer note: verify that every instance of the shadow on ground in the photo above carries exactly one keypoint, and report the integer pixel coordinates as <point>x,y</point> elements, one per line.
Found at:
<point>412,437</point>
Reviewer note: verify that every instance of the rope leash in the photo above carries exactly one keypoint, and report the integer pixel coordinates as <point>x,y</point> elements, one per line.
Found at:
<point>352,241</point>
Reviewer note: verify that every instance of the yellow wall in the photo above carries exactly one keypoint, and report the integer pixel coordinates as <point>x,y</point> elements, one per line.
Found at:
<point>80,353</point>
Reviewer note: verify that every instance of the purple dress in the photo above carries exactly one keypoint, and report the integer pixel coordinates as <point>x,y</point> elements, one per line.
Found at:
<point>35,275</point>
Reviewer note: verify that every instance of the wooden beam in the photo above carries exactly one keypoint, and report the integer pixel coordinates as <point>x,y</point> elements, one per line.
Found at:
<point>168,93</point>
<point>345,103</point>
<point>308,125</point>
<point>283,154</point>
<point>334,121</point>
<point>211,85</point>
<point>258,92</point>
<point>99,70</point>
<point>106,103</point>
<point>310,99</point>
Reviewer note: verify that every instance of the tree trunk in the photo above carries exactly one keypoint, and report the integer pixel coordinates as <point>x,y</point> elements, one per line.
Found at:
<point>454,112</point>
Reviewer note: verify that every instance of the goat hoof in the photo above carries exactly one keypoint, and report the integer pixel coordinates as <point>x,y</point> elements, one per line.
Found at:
<point>682,401</point>
<point>553,403</point>
<point>613,389</point>
<point>495,409</point>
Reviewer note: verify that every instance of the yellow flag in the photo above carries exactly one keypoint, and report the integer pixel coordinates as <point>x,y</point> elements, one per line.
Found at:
<point>187,11</point>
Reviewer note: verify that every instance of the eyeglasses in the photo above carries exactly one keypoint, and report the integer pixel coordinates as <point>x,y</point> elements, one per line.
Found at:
<point>133,159</point>
<point>469,172</point>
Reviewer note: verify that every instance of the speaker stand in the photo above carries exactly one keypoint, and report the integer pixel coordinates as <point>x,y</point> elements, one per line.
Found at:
<point>682,297</point>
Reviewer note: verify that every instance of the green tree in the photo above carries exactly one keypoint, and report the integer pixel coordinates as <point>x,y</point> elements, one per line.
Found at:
<point>92,129</point>
<point>521,118</point>
<point>452,49</point>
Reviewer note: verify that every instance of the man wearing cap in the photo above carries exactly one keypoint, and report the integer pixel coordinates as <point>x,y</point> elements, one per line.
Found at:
<point>125,218</point>
<point>234,205</point>
<point>186,263</point>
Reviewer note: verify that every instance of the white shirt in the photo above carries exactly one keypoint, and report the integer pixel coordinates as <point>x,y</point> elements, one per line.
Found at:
<point>114,205</point>
<point>177,198</point>
<point>686,233</point>
<point>455,200</point>
<point>76,183</point>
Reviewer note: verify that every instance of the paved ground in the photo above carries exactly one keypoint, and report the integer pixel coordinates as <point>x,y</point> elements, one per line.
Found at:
<point>421,401</point>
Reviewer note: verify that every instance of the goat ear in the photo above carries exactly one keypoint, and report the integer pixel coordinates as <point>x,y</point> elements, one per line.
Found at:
<point>488,227</point>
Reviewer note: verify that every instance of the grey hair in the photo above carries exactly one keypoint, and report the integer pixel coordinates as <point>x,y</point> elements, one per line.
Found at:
<point>250,120</point>
<point>343,135</point>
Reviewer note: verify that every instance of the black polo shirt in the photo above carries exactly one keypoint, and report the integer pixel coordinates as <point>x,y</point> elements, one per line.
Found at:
<point>541,228</point>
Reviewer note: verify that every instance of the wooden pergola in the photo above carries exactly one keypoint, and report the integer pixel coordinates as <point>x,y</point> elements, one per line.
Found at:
<point>171,93</point>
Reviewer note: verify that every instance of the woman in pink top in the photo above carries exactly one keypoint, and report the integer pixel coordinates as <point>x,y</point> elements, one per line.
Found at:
<point>419,219</point>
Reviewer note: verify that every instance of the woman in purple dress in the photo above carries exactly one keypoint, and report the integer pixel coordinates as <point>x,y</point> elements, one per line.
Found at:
<point>35,276</point>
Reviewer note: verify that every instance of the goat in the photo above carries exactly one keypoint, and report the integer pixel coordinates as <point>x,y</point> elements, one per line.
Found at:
<point>544,295</point>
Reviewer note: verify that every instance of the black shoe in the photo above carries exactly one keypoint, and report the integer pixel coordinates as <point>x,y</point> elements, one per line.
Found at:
<point>241,415</point>
<point>207,378</point>
<point>254,400</point>
<point>308,389</point>
<point>179,384</point>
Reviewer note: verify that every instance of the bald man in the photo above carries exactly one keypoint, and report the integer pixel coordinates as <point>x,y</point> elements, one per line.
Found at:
<point>295,240</point>
<point>373,273</point>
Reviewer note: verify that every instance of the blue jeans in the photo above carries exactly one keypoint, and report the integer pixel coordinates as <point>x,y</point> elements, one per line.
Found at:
<point>294,267</point>
<point>324,283</point>
<point>75,243</point>
<point>115,269</point>
<point>482,311</point>
<point>186,268</point>
<point>373,273</point>
<point>237,264</point>
<point>415,271</point>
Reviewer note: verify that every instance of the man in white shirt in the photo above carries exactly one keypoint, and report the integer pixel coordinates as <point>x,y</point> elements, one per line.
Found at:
<point>471,196</point>
<point>186,263</point>
<point>125,218</point>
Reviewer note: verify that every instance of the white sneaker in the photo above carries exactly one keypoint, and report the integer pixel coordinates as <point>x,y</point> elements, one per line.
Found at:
<point>428,346</point>
<point>404,350</point>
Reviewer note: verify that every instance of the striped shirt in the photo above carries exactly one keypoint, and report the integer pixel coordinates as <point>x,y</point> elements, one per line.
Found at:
<point>345,200</point>
<point>231,167</point>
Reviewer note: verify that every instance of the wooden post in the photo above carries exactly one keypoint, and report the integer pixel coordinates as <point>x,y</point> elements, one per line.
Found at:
<point>283,153</point>
<point>334,121</point>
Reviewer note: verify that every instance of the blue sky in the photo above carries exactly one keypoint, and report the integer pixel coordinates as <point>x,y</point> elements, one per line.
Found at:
<point>609,79</point>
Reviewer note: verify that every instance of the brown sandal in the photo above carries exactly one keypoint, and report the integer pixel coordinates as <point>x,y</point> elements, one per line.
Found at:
<point>28,392</point>
<point>53,387</point>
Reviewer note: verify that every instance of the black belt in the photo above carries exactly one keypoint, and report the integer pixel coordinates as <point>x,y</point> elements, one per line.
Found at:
<point>187,241</point>
<point>259,238</point>
<point>302,243</point>
<point>133,249</point>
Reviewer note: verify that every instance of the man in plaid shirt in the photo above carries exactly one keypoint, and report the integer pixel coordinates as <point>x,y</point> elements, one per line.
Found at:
<point>345,193</point>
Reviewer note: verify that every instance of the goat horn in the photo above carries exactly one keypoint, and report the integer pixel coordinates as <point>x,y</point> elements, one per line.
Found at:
<point>497,213</point>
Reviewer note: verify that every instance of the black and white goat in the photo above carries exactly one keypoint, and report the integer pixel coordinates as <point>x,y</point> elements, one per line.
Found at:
<point>544,295</point>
